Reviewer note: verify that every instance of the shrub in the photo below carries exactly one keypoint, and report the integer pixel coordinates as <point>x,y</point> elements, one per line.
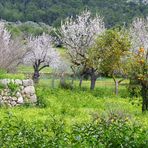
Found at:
<point>66,85</point>
<point>115,131</point>
<point>112,131</point>
<point>42,94</point>
<point>134,88</point>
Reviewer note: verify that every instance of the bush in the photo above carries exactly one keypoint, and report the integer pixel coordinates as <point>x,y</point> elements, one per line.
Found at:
<point>115,131</point>
<point>134,88</point>
<point>66,85</point>
<point>42,94</point>
<point>112,131</point>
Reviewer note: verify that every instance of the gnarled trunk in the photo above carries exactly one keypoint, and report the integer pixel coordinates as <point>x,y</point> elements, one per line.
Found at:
<point>36,76</point>
<point>117,82</point>
<point>93,81</point>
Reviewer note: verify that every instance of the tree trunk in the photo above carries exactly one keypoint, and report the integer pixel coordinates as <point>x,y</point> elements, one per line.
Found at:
<point>93,82</point>
<point>72,80</point>
<point>36,76</point>
<point>62,80</point>
<point>144,98</point>
<point>81,80</point>
<point>116,85</point>
<point>53,81</point>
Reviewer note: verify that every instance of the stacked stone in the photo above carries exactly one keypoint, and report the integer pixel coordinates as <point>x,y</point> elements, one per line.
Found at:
<point>25,93</point>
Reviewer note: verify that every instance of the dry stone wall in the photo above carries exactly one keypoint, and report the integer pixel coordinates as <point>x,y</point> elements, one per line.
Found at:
<point>17,92</point>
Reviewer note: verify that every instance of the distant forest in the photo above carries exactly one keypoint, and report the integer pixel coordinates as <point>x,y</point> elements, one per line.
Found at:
<point>115,12</point>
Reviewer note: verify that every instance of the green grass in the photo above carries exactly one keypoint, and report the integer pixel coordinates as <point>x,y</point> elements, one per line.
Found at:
<point>29,69</point>
<point>78,105</point>
<point>70,113</point>
<point>12,76</point>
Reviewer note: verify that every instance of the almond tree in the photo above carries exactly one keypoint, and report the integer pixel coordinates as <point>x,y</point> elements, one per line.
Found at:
<point>78,34</point>
<point>11,51</point>
<point>139,35</point>
<point>41,54</point>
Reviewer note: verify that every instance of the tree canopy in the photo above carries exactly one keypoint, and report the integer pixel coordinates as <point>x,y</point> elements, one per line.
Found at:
<point>53,11</point>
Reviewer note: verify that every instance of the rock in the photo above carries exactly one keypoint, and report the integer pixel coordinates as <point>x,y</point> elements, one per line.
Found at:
<point>5,81</point>
<point>5,93</point>
<point>9,105</point>
<point>28,82</point>
<point>21,87</point>
<point>33,99</point>
<point>25,93</point>
<point>2,92</point>
<point>14,99</point>
<point>13,103</point>
<point>18,94</point>
<point>18,82</point>
<point>1,102</point>
<point>4,98</point>
<point>20,100</point>
<point>5,102</point>
<point>29,90</point>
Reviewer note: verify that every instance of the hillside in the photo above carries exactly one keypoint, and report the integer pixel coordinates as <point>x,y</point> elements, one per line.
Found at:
<point>115,12</point>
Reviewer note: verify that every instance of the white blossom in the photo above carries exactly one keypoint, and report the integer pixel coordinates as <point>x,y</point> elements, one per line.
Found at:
<point>139,34</point>
<point>78,34</point>
<point>11,51</point>
<point>41,52</point>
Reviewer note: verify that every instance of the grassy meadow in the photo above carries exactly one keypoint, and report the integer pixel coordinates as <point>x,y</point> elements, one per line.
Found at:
<point>57,107</point>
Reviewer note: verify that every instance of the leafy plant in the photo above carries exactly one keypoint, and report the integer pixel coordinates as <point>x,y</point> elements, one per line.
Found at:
<point>112,131</point>
<point>13,87</point>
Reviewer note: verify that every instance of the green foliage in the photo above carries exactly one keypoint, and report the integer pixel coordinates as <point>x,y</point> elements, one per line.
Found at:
<point>112,131</point>
<point>136,101</point>
<point>113,47</point>
<point>13,87</point>
<point>134,90</point>
<point>66,85</point>
<point>77,120</point>
<point>51,12</point>
<point>28,28</point>
<point>11,76</point>
<point>42,101</point>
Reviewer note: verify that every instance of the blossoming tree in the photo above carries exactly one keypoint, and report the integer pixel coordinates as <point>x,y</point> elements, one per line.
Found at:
<point>41,54</point>
<point>11,51</point>
<point>78,34</point>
